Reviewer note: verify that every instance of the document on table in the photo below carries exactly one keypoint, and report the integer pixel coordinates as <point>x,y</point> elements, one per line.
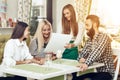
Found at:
<point>57,42</point>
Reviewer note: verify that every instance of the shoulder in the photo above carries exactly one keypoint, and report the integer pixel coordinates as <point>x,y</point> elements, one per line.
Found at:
<point>105,36</point>
<point>11,41</point>
<point>81,27</point>
<point>34,41</point>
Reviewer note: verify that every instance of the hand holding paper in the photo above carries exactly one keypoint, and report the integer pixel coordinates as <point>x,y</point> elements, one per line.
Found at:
<point>57,42</point>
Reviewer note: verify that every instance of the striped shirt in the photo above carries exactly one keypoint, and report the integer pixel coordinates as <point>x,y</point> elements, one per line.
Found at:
<point>99,50</point>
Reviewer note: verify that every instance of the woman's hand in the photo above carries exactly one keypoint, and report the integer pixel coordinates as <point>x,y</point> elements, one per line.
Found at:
<point>24,62</point>
<point>40,61</point>
<point>28,61</point>
<point>37,58</point>
<point>52,55</point>
<point>69,45</point>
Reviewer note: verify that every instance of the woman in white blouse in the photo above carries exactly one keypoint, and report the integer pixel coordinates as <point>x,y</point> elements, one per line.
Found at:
<point>72,27</point>
<point>16,51</point>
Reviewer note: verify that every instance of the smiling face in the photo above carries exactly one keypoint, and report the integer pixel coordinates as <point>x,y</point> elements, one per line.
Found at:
<point>67,14</point>
<point>46,31</point>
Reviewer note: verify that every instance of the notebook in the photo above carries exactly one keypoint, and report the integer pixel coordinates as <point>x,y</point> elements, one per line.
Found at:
<point>57,42</point>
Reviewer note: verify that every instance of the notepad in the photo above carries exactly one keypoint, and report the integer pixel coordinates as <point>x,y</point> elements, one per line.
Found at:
<point>57,42</point>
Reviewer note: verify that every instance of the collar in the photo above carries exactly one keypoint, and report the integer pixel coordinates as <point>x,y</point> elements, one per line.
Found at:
<point>96,35</point>
<point>19,43</point>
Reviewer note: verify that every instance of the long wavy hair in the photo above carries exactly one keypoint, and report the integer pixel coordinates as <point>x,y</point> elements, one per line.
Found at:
<point>38,34</point>
<point>67,26</point>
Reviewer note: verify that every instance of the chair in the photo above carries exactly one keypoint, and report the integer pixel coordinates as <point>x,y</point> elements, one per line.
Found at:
<point>117,61</point>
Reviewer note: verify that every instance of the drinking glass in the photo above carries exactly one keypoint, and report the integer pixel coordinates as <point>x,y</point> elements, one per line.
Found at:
<point>59,55</point>
<point>48,60</point>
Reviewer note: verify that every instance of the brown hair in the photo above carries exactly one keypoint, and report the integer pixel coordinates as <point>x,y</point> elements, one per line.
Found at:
<point>94,19</point>
<point>19,29</point>
<point>66,25</point>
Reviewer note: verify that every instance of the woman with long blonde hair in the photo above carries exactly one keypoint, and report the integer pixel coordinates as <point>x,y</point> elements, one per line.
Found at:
<point>40,39</point>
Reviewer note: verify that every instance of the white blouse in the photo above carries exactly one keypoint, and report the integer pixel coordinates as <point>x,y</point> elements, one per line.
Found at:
<point>81,32</point>
<point>79,37</point>
<point>15,51</point>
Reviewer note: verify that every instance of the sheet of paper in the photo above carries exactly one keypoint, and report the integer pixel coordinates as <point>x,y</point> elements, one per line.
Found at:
<point>57,42</point>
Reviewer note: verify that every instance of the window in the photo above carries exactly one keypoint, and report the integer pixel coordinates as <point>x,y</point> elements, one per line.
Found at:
<point>109,13</point>
<point>38,8</point>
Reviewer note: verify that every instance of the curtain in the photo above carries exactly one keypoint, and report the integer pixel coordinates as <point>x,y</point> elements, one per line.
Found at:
<point>82,8</point>
<point>24,9</point>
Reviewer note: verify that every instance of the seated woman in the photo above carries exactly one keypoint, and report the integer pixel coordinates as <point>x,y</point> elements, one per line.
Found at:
<point>16,51</point>
<point>40,39</point>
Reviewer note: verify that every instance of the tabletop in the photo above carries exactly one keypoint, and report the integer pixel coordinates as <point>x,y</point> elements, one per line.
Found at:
<point>56,68</point>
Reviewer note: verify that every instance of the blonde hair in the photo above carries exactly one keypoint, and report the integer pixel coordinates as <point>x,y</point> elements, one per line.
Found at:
<point>38,34</point>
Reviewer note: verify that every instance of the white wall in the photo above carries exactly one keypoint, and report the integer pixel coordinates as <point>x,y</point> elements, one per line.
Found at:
<point>57,11</point>
<point>12,8</point>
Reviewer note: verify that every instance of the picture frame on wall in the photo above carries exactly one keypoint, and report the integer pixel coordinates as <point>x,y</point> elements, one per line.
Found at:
<point>3,8</point>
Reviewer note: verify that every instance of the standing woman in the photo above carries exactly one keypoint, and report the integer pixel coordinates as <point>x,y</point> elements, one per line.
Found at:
<point>40,39</point>
<point>71,26</point>
<point>16,51</point>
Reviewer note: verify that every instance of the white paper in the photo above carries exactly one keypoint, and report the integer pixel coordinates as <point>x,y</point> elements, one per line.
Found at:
<point>57,42</point>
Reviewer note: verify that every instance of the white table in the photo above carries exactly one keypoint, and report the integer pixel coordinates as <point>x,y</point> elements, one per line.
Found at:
<point>62,69</point>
